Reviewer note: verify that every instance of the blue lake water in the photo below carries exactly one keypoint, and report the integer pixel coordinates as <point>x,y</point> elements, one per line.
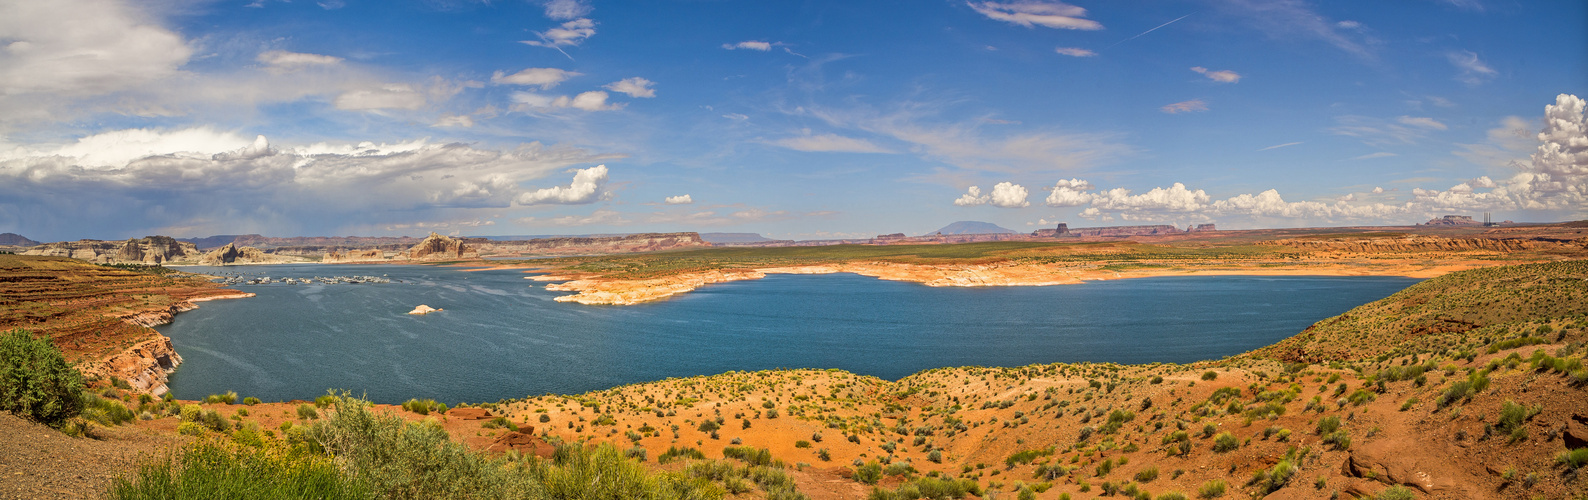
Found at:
<point>502,336</point>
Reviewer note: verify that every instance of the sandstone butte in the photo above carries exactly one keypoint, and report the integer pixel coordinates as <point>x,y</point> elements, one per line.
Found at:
<point>1410,255</point>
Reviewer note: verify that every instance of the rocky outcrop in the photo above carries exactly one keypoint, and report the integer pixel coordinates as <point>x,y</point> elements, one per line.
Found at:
<point>231,254</point>
<point>438,247</point>
<point>151,250</point>
<point>1408,244</point>
<point>593,245</point>
<point>146,365</point>
<point>423,310</point>
<point>346,256</point>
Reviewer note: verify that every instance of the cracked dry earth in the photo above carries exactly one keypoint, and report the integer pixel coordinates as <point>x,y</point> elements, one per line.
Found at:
<point>37,462</point>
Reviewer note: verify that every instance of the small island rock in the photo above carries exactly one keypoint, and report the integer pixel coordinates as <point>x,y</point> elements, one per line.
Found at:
<point>424,309</point>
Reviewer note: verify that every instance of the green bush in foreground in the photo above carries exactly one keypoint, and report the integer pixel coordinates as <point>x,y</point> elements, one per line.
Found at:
<point>36,382</point>
<point>213,469</point>
<point>354,452</point>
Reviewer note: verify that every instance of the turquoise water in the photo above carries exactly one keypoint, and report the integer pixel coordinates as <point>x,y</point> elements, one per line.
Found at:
<point>502,336</point>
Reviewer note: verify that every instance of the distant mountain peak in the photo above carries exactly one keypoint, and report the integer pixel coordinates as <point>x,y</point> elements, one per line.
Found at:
<point>16,239</point>
<point>973,227</point>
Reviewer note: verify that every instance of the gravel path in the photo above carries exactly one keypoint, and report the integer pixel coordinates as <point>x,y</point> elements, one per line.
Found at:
<point>39,462</point>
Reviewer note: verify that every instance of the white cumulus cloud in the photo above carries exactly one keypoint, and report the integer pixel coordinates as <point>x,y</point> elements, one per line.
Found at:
<point>634,87</point>
<point>585,188</point>
<point>682,199</point>
<point>748,45</point>
<point>1070,193</point>
<point>83,47</point>
<point>1221,76</point>
<point>1004,195</point>
<point>594,100</point>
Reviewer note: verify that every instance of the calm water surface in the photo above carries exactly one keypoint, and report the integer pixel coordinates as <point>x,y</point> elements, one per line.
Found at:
<point>502,336</point>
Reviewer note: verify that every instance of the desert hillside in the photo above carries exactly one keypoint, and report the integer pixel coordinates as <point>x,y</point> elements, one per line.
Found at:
<point>1470,385</point>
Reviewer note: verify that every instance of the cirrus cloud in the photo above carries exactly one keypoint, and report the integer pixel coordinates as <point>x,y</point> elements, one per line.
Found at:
<point>1193,105</point>
<point>1030,13</point>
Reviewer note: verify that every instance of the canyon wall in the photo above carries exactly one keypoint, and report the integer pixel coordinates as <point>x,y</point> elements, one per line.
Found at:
<point>152,250</point>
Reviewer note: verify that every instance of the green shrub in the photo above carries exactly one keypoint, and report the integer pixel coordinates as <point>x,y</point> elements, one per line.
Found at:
<point>250,401</point>
<point>211,469</point>
<point>104,411</point>
<point>869,473</point>
<point>228,398</point>
<point>396,459</point>
<point>423,406</point>
<point>1025,457</point>
<point>748,454</point>
<point>305,412</point>
<point>1396,492</point>
<point>1573,459</point>
<point>1173,495</point>
<point>1210,375</point>
<point>36,382</point>
<point>190,429</point>
<point>1328,425</point>
<point>674,453</point>
<point>1147,475</point>
<point>1225,442</point>
<point>1212,489</point>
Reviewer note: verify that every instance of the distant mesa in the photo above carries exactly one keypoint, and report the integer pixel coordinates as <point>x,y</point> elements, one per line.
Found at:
<point>16,240</point>
<point>894,236</point>
<point>715,238</point>
<point>423,310</point>
<point>1453,220</point>
<point>973,227</point>
<point>1064,230</point>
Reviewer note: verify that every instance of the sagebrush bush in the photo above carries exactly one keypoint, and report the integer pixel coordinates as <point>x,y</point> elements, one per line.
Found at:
<point>214,469</point>
<point>36,382</point>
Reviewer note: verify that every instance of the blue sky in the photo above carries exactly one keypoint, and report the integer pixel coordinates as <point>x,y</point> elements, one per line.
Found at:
<point>799,120</point>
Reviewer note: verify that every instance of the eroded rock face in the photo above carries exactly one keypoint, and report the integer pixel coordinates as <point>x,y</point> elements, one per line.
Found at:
<point>370,255</point>
<point>150,250</point>
<point>231,254</point>
<point>146,365</point>
<point>438,247</point>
